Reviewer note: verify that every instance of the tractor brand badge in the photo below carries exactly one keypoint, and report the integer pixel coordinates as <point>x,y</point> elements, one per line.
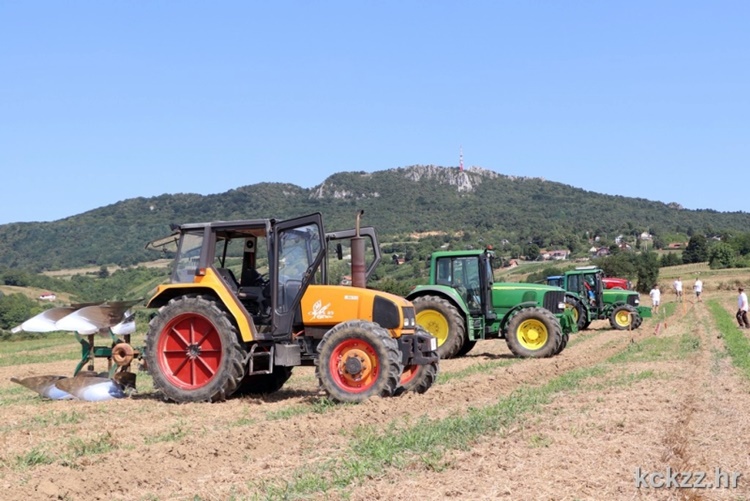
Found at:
<point>320,312</point>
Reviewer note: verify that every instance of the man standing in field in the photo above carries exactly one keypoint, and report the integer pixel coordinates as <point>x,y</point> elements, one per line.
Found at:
<point>678,288</point>
<point>655,297</point>
<point>742,309</point>
<point>698,288</point>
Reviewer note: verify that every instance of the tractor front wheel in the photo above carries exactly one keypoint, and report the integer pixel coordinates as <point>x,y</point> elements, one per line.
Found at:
<point>625,317</point>
<point>441,319</point>
<point>418,378</point>
<point>358,360</point>
<point>192,351</point>
<point>534,333</point>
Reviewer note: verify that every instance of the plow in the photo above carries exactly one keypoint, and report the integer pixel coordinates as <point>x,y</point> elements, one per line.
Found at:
<point>103,330</point>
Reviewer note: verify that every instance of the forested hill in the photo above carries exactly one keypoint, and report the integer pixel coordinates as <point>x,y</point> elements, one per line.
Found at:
<point>400,201</point>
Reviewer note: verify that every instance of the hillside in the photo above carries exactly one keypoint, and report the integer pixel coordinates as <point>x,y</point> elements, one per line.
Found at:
<point>488,205</point>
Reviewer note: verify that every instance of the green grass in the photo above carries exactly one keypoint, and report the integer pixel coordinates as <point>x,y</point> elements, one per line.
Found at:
<point>174,435</point>
<point>99,445</point>
<point>659,348</point>
<point>318,406</point>
<point>737,345</point>
<point>34,457</point>
<point>371,451</point>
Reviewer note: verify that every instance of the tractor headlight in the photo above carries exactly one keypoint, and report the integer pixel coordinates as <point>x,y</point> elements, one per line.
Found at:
<point>410,321</point>
<point>561,306</point>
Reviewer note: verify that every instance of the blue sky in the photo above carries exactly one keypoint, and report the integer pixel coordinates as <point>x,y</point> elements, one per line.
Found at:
<point>101,101</point>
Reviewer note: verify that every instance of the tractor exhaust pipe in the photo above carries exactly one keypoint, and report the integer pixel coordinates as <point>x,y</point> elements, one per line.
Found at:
<point>359,275</point>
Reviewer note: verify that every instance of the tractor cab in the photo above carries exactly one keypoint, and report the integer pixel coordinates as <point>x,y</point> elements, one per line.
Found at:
<point>470,275</point>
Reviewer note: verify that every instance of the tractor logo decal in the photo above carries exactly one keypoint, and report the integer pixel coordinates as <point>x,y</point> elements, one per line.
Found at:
<point>320,311</point>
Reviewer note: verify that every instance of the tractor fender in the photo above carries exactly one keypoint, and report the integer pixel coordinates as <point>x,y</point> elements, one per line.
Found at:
<point>243,321</point>
<point>520,306</point>
<point>447,293</point>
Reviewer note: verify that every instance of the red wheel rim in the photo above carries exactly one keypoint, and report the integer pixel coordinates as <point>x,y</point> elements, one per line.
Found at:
<point>189,351</point>
<point>410,372</point>
<point>354,365</point>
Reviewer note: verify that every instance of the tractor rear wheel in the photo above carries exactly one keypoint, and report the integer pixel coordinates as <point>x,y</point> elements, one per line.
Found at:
<point>358,360</point>
<point>466,347</point>
<point>534,333</point>
<point>443,320</point>
<point>192,351</point>
<point>263,384</point>
<point>579,312</point>
<point>624,317</point>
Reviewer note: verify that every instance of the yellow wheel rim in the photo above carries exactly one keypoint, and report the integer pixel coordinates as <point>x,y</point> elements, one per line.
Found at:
<point>434,323</point>
<point>532,334</point>
<point>622,318</point>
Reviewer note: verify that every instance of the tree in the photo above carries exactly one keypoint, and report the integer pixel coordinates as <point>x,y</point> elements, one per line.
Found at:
<point>721,255</point>
<point>648,271</point>
<point>532,252</point>
<point>15,309</point>
<point>696,250</point>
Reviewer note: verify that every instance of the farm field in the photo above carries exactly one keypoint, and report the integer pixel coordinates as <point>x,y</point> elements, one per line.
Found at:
<point>674,394</point>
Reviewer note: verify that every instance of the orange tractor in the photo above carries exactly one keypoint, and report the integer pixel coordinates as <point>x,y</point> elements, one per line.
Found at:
<point>223,328</point>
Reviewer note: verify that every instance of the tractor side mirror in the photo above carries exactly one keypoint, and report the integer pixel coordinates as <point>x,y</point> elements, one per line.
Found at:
<point>339,252</point>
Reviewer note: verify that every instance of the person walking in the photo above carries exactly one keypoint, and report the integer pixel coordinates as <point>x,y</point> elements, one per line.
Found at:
<point>742,308</point>
<point>655,297</point>
<point>678,288</point>
<point>698,288</point>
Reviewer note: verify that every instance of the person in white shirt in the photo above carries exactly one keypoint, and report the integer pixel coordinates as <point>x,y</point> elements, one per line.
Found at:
<point>655,297</point>
<point>698,288</point>
<point>678,288</point>
<point>742,309</point>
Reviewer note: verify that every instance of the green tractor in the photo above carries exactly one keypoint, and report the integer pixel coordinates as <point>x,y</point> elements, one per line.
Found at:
<point>462,304</point>
<point>589,299</point>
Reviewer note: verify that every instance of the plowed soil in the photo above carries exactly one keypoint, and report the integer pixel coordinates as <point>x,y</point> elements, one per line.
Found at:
<point>611,405</point>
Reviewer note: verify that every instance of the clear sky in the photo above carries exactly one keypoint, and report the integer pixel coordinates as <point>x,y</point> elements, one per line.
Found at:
<point>101,101</point>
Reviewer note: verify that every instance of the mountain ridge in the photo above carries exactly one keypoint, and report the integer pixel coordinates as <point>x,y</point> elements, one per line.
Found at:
<point>397,201</point>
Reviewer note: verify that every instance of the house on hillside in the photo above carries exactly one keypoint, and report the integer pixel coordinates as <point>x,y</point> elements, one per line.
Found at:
<point>47,296</point>
<point>559,255</point>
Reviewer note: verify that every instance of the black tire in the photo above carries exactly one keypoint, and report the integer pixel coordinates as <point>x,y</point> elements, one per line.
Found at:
<point>563,343</point>
<point>579,312</point>
<point>534,333</point>
<point>193,352</point>
<point>623,317</point>
<point>443,320</point>
<point>418,378</point>
<point>424,376</point>
<point>263,384</point>
<point>466,347</point>
<point>358,360</point>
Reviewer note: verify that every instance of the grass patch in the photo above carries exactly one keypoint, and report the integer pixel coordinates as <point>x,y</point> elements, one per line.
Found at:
<point>737,345</point>
<point>482,368</point>
<point>371,452</point>
<point>100,445</point>
<point>58,418</point>
<point>34,457</point>
<point>658,348</point>
<point>174,435</point>
<point>624,379</point>
<point>318,406</point>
